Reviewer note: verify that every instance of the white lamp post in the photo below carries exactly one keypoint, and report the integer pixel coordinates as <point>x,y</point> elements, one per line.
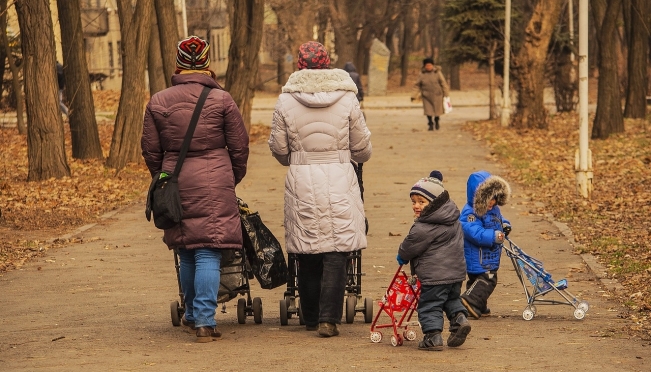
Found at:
<point>583,158</point>
<point>506,98</point>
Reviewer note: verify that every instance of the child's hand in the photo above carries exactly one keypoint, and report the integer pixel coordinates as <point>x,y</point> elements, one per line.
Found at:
<point>499,237</point>
<point>401,261</point>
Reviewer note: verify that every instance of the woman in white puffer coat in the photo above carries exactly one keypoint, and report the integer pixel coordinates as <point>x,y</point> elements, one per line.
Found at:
<point>317,129</point>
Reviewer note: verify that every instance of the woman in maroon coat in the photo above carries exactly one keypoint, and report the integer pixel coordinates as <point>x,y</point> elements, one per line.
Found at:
<point>215,164</point>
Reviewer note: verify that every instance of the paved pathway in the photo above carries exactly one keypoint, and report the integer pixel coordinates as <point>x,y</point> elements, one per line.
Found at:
<point>104,304</point>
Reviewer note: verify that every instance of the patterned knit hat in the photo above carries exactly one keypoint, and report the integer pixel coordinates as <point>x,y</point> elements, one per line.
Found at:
<point>192,54</point>
<point>428,187</point>
<point>313,56</point>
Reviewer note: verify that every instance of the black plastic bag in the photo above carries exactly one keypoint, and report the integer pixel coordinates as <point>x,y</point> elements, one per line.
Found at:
<point>263,251</point>
<point>164,201</point>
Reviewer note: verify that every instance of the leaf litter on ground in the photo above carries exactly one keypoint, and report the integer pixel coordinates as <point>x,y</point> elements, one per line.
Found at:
<point>614,224</point>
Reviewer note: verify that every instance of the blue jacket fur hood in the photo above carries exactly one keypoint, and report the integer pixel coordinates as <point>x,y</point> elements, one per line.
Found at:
<point>479,223</point>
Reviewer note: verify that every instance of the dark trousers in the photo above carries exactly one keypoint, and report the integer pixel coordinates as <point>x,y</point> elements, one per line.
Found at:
<point>434,301</point>
<point>321,286</point>
<point>479,287</point>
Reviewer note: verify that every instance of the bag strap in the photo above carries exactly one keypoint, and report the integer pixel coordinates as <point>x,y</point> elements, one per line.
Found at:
<point>190,133</point>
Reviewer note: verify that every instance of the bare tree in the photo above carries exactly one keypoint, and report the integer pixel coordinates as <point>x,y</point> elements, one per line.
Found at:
<point>15,75</point>
<point>83,124</point>
<point>246,18</point>
<point>169,36</point>
<point>154,60</point>
<point>638,54</point>
<point>407,40</point>
<point>134,32</point>
<point>608,118</point>
<point>45,141</point>
<point>295,22</point>
<point>529,65</point>
<point>346,16</point>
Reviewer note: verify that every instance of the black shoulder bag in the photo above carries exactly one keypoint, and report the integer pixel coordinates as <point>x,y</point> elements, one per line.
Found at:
<point>163,199</point>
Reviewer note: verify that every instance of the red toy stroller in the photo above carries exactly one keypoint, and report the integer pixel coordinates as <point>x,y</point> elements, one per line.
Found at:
<point>399,303</point>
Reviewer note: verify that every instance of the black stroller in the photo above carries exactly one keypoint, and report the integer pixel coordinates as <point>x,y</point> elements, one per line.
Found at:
<point>235,275</point>
<point>354,304</point>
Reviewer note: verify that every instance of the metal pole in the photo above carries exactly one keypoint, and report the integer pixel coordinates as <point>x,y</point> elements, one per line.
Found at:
<point>583,159</point>
<point>506,98</point>
<point>570,10</point>
<point>184,17</point>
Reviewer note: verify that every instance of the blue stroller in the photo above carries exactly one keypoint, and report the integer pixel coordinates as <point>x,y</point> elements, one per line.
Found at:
<point>537,283</point>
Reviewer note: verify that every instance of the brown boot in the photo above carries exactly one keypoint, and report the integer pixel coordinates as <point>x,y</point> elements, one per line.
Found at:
<point>207,334</point>
<point>328,330</point>
<point>188,324</point>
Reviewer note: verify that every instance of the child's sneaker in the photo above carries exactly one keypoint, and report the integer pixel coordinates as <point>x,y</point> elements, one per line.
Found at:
<point>475,313</point>
<point>459,329</point>
<point>431,342</point>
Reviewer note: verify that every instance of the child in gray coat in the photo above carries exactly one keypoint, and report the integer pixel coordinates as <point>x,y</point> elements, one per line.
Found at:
<point>434,246</point>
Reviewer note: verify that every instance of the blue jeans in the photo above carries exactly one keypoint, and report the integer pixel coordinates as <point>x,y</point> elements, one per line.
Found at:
<point>436,299</point>
<point>200,276</point>
<point>321,286</point>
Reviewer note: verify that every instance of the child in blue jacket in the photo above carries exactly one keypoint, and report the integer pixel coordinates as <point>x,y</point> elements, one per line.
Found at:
<point>484,230</point>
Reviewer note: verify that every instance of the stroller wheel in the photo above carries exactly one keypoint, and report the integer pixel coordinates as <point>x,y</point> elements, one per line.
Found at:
<point>241,311</point>
<point>174,312</point>
<point>579,314</point>
<point>257,310</point>
<point>583,305</point>
<point>533,308</point>
<point>409,334</point>
<point>351,301</point>
<point>527,314</point>
<point>283,312</point>
<point>368,310</point>
<point>376,337</point>
<point>396,340</point>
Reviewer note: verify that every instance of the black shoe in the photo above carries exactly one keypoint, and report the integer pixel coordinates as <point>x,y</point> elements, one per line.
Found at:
<point>471,310</point>
<point>431,342</point>
<point>430,126</point>
<point>437,125</point>
<point>459,329</point>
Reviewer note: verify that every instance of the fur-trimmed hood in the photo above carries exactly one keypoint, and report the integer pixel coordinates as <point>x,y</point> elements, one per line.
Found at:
<point>319,88</point>
<point>482,187</point>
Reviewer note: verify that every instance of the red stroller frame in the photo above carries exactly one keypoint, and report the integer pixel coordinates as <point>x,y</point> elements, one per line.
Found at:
<point>399,303</point>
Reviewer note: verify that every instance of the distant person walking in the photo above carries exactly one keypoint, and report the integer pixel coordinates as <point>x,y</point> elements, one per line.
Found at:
<point>61,81</point>
<point>349,67</point>
<point>216,162</point>
<point>431,87</point>
<point>317,129</point>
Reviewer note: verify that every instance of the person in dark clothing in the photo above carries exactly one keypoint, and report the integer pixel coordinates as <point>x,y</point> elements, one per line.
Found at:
<point>61,82</point>
<point>352,71</point>
<point>435,247</point>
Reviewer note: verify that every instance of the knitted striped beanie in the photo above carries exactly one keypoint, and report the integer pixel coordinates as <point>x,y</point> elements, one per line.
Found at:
<point>429,187</point>
<point>192,54</point>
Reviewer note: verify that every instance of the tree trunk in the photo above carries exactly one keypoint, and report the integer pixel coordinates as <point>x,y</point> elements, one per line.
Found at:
<point>154,59</point>
<point>407,41</point>
<point>134,32</point>
<point>345,16</point>
<point>15,75</point>
<point>529,66</point>
<point>168,35</point>
<point>608,118</point>
<point>492,114</point>
<point>638,54</point>
<point>455,77</point>
<point>246,18</point>
<point>83,124</point>
<point>45,141</point>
